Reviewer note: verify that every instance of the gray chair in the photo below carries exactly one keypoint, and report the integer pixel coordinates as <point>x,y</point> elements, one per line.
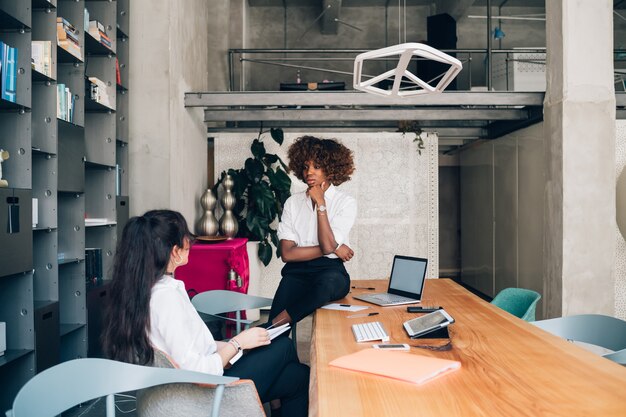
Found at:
<point>74,382</point>
<point>240,399</point>
<point>596,329</point>
<point>217,302</point>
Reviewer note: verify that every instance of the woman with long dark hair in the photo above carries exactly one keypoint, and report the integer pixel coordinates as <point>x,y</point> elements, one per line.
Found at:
<point>149,309</point>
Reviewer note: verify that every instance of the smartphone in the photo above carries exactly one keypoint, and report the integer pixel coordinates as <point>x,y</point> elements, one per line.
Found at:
<point>388,346</point>
<point>428,323</point>
<point>424,309</point>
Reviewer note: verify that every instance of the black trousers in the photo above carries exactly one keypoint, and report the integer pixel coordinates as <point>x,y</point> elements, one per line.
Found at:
<point>308,285</point>
<point>277,374</point>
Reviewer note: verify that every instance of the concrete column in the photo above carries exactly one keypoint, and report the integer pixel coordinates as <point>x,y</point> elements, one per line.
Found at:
<point>168,146</point>
<point>579,111</point>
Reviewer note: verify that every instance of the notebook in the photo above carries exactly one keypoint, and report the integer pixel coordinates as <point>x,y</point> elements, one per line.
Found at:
<point>404,366</point>
<point>406,283</point>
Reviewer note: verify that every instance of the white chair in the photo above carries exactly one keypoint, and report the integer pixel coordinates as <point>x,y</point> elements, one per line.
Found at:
<point>74,382</point>
<point>595,329</point>
<point>218,302</point>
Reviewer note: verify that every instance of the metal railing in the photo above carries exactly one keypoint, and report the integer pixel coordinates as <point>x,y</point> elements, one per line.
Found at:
<point>339,63</point>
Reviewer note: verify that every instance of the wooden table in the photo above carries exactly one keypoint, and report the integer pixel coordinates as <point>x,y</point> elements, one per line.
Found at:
<point>509,367</point>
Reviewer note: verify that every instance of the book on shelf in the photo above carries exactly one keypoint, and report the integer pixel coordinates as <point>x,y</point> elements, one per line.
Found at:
<point>98,92</point>
<point>71,48</point>
<point>86,20</point>
<point>67,37</point>
<point>65,103</point>
<point>8,69</point>
<point>41,57</point>
<point>118,74</point>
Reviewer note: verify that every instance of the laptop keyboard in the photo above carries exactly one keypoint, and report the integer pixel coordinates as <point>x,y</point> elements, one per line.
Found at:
<point>366,332</point>
<point>390,298</point>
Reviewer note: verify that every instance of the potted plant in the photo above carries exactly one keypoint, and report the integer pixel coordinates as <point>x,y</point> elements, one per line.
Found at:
<point>261,188</point>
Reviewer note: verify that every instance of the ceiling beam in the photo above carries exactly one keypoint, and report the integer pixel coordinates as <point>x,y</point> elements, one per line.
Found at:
<point>282,114</point>
<point>340,98</point>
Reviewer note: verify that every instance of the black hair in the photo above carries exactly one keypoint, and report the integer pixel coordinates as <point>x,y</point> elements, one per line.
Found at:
<point>142,257</point>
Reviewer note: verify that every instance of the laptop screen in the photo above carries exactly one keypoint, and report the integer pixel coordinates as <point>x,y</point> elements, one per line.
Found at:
<point>407,276</point>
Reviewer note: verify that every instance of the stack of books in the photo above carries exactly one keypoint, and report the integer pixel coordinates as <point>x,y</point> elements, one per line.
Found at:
<point>8,72</point>
<point>97,30</point>
<point>67,37</point>
<point>65,103</point>
<point>98,92</point>
<point>41,57</point>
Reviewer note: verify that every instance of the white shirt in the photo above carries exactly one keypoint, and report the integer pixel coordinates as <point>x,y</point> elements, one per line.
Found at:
<point>299,219</point>
<point>177,329</point>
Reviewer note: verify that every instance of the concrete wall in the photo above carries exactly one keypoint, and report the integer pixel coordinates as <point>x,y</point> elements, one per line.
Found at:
<point>168,148</point>
<point>620,238</point>
<point>276,27</point>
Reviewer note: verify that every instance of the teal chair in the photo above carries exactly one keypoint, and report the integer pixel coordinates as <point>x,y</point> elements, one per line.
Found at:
<point>520,302</point>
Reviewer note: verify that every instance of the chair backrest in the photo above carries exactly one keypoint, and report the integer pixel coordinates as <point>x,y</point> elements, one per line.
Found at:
<point>221,301</point>
<point>596,329</point>
<point>520,302</point>
<point>70,383</point>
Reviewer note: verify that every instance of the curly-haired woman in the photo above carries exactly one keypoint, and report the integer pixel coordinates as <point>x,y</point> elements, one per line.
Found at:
<point>314,230</point>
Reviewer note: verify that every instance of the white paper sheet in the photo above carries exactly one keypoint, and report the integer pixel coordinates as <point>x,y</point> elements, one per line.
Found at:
<point>344,307</point>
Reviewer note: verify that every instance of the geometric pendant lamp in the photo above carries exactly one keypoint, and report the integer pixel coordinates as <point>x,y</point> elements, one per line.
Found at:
<point>405,52</point>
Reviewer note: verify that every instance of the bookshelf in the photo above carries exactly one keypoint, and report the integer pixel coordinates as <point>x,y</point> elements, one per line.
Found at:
<point>65,126</point>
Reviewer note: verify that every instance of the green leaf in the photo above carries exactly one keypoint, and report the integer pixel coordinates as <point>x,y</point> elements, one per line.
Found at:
<point>282,163</point>
<point>265,252</point>
<point>270,159</point>
<point>254,170</point>
<point>258,149</point>
<point>277,135</point>
<point>257,225</point>
<point>262,200</point>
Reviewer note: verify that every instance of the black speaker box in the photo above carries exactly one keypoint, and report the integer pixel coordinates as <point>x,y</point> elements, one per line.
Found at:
<point>441,34</point>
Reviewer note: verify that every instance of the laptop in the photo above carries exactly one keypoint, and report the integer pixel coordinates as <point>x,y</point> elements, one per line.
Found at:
<point>406,283</point>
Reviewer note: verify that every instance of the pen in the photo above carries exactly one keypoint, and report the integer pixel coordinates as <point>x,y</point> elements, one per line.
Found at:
<point>361,315</point>
<point>344,305</point>
<point>363,288</point>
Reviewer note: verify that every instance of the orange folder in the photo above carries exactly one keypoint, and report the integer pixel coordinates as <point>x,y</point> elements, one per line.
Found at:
<point>404,366</point>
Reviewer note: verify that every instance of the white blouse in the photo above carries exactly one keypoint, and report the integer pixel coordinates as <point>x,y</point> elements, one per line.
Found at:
<point>177,329</point>
<point>299,219</point>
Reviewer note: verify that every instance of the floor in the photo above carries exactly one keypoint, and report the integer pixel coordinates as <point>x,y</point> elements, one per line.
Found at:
<point>126,404</point>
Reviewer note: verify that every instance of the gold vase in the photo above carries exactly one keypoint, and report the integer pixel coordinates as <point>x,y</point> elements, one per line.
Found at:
<point>208,225</point>
<point>228,222</point>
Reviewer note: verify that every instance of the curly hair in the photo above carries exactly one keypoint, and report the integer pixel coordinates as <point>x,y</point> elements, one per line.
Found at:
<point>335,159</point>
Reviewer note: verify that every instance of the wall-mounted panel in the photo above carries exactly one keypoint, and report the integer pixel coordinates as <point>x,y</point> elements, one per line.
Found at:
<point>45,181</point>
<point>44,117</point>
<point>16,237</point>
<point>71,161</point>
<point>46,274</point>
<point>71,231</point>
<point>477,217</point>
<point>505,213</point>
<point>15,138</point>
<point>100,138</point>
